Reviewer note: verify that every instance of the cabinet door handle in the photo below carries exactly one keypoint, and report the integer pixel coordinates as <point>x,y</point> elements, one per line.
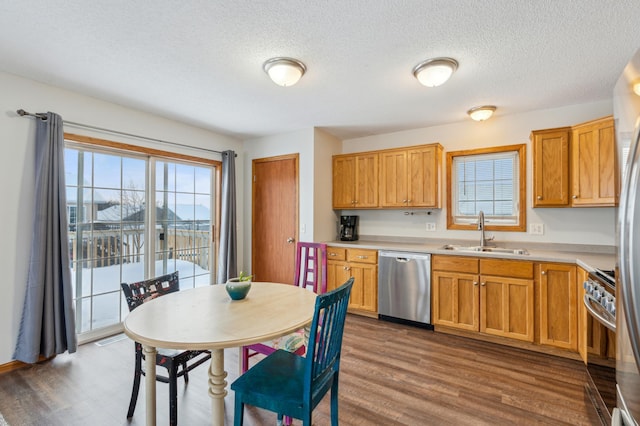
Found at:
<point>333,254</point>
<point>475,283</point>
<point>483,284</point>
<point>543,272</point>
<point>363,257</point>
<point>575,197</point>
<point>539,197</point>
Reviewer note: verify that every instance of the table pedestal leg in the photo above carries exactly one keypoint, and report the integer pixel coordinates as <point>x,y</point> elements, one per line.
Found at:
<point>217,386</point>
<point>150,383</point>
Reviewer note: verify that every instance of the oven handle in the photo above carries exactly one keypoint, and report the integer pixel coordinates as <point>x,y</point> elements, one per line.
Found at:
<point>588,299</point>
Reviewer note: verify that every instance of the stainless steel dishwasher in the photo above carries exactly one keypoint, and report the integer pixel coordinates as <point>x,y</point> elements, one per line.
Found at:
<point>404,286</point>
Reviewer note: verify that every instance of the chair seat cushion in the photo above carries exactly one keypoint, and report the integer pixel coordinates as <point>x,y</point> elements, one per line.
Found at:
<point>291,342</point>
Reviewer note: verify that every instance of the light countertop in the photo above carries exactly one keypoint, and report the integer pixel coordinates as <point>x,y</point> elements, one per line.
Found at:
<point>588,257</point>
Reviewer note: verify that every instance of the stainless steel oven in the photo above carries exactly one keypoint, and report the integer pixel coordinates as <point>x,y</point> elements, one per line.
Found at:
<point>600,302</point>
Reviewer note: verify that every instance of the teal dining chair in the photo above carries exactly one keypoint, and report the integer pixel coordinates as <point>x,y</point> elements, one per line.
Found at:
<point>291,385</point>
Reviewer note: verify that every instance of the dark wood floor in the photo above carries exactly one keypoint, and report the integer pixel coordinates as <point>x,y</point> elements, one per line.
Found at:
<point>390,375</point>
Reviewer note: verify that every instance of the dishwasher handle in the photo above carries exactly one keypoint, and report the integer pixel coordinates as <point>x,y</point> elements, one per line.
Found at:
<point>403,256</point>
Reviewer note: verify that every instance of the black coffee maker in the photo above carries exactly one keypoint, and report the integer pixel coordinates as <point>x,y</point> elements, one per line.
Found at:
<point>348,228</point>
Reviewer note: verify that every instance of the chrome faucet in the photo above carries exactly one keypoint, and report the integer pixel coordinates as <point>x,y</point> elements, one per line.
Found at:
<point>483,240</point>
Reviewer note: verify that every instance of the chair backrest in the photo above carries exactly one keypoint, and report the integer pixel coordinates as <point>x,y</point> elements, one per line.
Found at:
<point>325,337</point>
<point>311,266</point>
<point>143,291</point>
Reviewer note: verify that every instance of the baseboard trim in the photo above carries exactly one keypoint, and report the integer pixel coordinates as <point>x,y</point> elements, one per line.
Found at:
<point>16,365</point>
<point>11,366</point>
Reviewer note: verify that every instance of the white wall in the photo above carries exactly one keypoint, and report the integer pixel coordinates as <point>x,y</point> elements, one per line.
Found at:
<point>325,218</point>
<point>594,226</point>
<point>17,171</point>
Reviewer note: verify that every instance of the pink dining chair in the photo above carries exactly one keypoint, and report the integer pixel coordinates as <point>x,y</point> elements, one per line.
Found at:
<point>310,273</point>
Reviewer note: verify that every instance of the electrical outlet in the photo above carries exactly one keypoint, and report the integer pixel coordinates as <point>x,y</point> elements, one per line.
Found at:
<point>536,228</point>
<point>431,226</point>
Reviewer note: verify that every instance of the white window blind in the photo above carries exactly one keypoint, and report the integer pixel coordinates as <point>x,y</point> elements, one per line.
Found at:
<point>487,183</point>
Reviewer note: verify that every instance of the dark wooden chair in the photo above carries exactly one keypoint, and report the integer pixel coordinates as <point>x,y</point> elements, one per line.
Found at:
<point>177,362</point>
<point>310,272</point>
<point>291,385</point>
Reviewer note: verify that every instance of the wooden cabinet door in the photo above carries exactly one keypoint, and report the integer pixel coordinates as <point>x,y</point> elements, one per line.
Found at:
<point>344,181</point>
<point>424,166</point>
<point>366,181</point>
<point>507,307</point>
<point>551,167</point>
<point>455,300</point>
<point>393,178</point>
<point>337,274</point>
<point>582,276</point>
<point>594,181</point>
<point>364,293</point>
<point>558,305</point>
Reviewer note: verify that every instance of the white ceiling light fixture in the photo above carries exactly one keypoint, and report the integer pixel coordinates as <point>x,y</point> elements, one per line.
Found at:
<point>284,71</point>
<point>636,88</point>
<point>435,72</point>
<point>481,113</point>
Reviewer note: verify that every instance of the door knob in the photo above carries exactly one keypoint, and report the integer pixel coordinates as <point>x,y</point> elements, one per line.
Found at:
<point>290,240</point>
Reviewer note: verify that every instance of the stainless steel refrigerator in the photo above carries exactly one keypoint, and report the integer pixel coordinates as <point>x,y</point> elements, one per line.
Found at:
<point>626,107</point>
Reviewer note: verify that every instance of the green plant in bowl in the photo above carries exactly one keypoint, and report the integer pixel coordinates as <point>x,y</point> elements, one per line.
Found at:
<point>239,287</point>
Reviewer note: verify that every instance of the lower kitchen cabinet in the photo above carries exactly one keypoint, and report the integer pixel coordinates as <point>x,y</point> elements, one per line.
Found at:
<point>455,295</point>
<point>491,296</point>
<point>582,315</point>
<point>558,305</point>
<point>362,265</point>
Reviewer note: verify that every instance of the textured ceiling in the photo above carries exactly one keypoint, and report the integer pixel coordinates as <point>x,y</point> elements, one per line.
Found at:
<point>201,61</point>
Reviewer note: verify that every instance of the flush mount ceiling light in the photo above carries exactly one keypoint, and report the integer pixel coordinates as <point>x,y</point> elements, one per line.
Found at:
<point>436,71</point>
<point>481,113</point>
<point>284,71</point>
<point>636,87</point>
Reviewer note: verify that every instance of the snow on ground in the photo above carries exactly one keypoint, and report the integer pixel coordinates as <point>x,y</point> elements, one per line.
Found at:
<point>108,306</point>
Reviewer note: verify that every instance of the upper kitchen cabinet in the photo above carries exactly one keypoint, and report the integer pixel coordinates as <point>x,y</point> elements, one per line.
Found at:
<point>355,181</point>
<point>551,167</point>
<point>593,175</point>
<point>390,178</point>
<point>410,177</point>
<point>575,166</point>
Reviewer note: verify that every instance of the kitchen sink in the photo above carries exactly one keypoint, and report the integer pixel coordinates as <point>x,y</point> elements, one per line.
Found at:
<point>486,249</point>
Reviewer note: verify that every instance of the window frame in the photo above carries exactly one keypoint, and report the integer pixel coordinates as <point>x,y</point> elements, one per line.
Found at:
<point>521,226</point>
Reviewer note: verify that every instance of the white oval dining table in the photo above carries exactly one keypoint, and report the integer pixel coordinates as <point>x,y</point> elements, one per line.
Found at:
<point>205,318</point>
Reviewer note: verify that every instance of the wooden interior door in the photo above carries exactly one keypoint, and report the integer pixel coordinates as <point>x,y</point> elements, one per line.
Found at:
<point>274,218</point>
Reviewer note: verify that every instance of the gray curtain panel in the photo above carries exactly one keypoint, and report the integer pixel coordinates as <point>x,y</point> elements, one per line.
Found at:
<point>48,321</point>
<point>228,258</point>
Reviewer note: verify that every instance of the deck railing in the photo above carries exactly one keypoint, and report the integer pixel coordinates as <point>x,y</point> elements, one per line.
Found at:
<point>100,248</point>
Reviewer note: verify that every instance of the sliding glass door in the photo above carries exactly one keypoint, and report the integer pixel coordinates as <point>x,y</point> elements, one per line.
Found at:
<point>115,238</point>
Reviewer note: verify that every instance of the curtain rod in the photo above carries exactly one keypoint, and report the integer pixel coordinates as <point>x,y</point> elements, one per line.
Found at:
<point>43,116</point>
